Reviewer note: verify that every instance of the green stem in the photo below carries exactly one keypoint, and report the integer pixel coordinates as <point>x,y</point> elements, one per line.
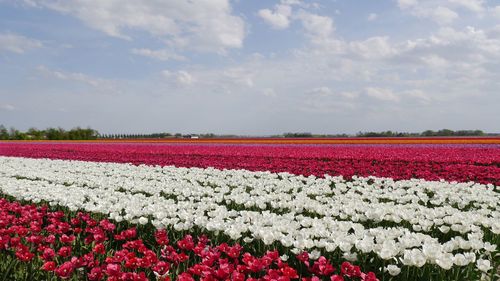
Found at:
<point>9,268</point>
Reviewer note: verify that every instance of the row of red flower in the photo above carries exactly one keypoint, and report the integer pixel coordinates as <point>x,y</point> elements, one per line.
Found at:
<point>68,246</point>
<point>449,162</point>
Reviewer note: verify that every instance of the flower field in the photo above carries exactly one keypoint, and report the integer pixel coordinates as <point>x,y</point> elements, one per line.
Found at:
<point>158,211</point>
<point>478,163</point>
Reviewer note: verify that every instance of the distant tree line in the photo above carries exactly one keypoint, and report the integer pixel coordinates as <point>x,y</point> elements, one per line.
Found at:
<point>311,135</point>
<point>162,136</point>
<point>389,134</point>
<point>137,136</point>
<point>446,132</point>
<point>427,133</point>
<point>48,134</point>
<point>91,134</point>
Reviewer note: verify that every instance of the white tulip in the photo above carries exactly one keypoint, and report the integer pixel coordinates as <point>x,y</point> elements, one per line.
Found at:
<point>314,254</point>
<point>483,265</point>
<point>352,257</point>
<point>143,220</point>
<point>445,261</point>
<point>460,260</point>
<point>393,269</point>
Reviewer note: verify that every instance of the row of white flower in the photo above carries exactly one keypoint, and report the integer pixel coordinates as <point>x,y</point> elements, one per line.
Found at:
<point>381,200</point>
<point>276,207</point>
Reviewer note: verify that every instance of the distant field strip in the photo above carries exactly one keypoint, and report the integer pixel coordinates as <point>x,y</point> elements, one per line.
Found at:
<point>377,140</point>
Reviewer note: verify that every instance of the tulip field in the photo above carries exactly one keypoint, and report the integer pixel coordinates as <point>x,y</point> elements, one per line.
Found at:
<point>251,210</point>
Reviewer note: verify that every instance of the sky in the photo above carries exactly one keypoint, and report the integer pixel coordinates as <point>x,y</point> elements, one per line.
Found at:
<point>250,67</point>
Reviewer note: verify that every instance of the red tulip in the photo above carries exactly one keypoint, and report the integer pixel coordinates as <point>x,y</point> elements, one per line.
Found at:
<point>24,254</point>
<point>113,270</point>
<point>95,274</point>
<point>161,268</point>
<point>322,267</point>
<point>350,270</point>
<point>48,254</point>
<point>64,251</point>
<point>107,225</point>
<point>65,270</point>
<point>49,266</point>
<point>336,278</point>
<point>303,257</point>
<point>185,277</point>
<point>99,249</point>
<point>161,237</point>
<point>186,243</point>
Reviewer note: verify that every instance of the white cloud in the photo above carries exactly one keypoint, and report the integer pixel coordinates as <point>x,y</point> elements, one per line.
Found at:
<point>443,15</point>
<point>446,59</point>
<point>181,77</point>
<point>325,92</point>
<point>372,17</point>
<point>325,100</point>
<point>279,18</point>
<point>495,32</point>
<point>7,107</point>
<point>448,35</point>
<point>320,91</point>
<point>418,95</point>
<point>300,3</point>
<point>97,83</point>
<point>291,2</point>
<point>228,80</point>
<point>67,76</point>
<point>473,5</point>
<point>438,11</point>
<point>373,48</point>
<point>381,94</point>
<point>349,95</point>
<point>269,92</point>
<point>17,43</point>
<point>239,75</point>
<point>204,25</point>
<point>405,4</point>
<point>184,78</point>
<point>496,11</point>
<point>163,54</point>
<point>471,37</point>
<point>435,61</point>
<point>320,27</point>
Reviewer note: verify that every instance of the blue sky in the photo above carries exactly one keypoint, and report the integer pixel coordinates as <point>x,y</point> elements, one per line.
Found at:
<point>250,67</point>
